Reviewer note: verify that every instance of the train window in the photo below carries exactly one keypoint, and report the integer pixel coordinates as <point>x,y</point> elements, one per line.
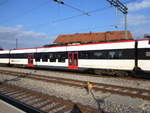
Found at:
<point>130,54</point>
<point>118,54</point>
<point>149,42</point>
<point>84,54</point>
<point>44,57</point>
<point>148,54</point>
<point>111,54</point>
<point>11,56</point>
<point>52,57</point>
<point>61,57</point>
<point>80,54</point>
<point>37,57</point>
<point>99,54</point>
<point>90,54</point>
<point>24,55</point>
<point>21,55</point>
<point>1,55</point>
<point>4,55</point>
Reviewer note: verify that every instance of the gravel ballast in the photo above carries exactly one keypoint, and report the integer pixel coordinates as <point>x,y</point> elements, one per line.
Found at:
<point>110,103</point>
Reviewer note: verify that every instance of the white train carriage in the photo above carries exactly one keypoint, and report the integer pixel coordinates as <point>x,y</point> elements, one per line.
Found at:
<point>117,55</point>
<point>52,57</point>
<point>4,56</point>
<point>106,55</point>
<point>22,56</point>
<point>144,54</point>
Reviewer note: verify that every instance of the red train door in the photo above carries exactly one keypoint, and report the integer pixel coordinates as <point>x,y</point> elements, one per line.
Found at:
<point>30,59</point>
<point>73,60</point>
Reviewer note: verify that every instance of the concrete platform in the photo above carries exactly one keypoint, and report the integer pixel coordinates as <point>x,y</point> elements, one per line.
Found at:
<point>7,108</point>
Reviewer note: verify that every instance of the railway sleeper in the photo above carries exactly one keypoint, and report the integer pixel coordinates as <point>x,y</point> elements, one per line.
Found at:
<point>53,107</point>
<point>111,72</point>
<point>35,102</point>
<point>44,104</point>
<point>24,97</point>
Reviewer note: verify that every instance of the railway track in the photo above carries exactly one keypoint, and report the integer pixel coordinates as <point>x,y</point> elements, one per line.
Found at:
<point>35,102</point>
<point>86,74</point>
<point>114,89</point>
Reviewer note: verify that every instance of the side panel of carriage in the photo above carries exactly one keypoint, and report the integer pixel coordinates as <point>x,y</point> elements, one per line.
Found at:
<point>144,55</point>
<point>23,57</point>
<point>4,56</point>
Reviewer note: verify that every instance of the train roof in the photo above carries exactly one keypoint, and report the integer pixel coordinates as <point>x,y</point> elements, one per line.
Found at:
<point>83,43</point>
<point>88,43</point>
<point>92,37</point>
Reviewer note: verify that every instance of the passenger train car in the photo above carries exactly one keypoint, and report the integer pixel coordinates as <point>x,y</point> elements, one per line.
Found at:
<point>125,55</point>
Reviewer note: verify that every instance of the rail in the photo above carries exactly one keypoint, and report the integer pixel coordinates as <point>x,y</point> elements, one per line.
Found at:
<point>121,90</point>
<point>35,102</point>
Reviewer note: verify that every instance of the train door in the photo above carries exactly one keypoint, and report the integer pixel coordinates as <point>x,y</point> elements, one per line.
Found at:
<point>73,60</point>
<point>30,59</point>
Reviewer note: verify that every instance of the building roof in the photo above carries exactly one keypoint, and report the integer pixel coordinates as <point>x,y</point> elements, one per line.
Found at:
<point>92,37</point>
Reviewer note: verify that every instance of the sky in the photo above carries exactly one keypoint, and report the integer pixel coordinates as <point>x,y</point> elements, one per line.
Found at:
<point>36,23</point>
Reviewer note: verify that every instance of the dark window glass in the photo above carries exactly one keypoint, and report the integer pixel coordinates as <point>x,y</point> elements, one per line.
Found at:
<point>61,57</point>
<point>37,57</point>
<point>20,55</point>
<point>84,54</point>
<point>4,55</point>
<point>108,54</point>
<point>80,54</point>
<point>44,57</point>
<point>118,54</point>
<point>98,54</point>
<point>12,56</point>
<point>111,54</point>
<point>147,53</point>
<point>52,57</point>
<point>128,54</point>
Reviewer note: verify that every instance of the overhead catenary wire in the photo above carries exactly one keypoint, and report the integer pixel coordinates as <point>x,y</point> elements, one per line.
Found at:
<point>89,12</point>
<point>71,17</point>
<point>75,16</point>
<point>63,19</point>
<point>72,7</point>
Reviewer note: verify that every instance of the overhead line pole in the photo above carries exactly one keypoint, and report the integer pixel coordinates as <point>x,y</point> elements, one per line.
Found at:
<point>120,6</point>
<point>16,43</point>
<point>116,26</point>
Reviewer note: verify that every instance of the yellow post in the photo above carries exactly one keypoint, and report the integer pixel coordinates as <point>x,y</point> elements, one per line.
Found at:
<point>89,86</point>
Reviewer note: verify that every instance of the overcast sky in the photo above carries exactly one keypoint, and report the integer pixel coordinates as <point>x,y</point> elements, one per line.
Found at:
<point>38,22</point>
